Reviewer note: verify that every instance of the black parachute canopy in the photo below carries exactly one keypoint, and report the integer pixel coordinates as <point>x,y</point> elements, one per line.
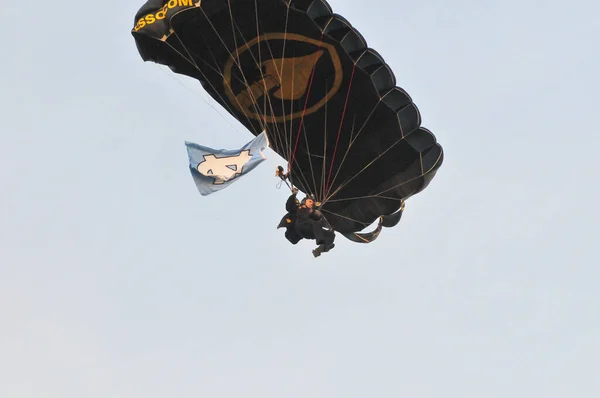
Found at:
<point>329,104</point>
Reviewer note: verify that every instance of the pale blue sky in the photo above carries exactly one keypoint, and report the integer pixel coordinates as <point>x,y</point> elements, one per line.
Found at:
<point>117,279</point>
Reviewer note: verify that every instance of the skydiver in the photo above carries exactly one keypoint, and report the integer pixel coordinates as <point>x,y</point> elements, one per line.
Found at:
<point>302,221</point>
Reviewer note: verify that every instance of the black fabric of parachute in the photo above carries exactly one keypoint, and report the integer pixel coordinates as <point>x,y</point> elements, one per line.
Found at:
<point>306,76</point>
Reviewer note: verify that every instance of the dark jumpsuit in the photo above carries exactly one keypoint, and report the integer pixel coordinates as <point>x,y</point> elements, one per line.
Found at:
<point>305,223</point>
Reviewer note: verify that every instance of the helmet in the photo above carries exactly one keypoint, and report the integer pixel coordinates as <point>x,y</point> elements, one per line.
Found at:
<point>306,198</point>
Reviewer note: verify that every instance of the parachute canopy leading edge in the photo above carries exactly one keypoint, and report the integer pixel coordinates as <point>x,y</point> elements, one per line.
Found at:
<point>328,103</point>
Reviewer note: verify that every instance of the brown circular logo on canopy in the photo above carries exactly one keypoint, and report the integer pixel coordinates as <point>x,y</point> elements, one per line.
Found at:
<point>269,77</point>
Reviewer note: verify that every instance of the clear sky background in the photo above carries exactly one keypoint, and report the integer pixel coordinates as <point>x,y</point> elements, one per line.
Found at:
<point>118,280</point>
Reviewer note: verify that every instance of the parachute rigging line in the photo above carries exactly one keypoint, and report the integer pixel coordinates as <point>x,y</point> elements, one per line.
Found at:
<point>312,75</point>
<point>337,140</point>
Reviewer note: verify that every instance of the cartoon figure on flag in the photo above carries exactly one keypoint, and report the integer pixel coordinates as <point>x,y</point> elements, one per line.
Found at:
<point>215,169</point>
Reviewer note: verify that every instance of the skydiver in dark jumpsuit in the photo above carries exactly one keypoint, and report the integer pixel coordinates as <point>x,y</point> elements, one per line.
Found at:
<point>304,222</point>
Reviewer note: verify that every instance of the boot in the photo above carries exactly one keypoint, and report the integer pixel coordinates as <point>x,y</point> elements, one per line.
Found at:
<point>317,252</point>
